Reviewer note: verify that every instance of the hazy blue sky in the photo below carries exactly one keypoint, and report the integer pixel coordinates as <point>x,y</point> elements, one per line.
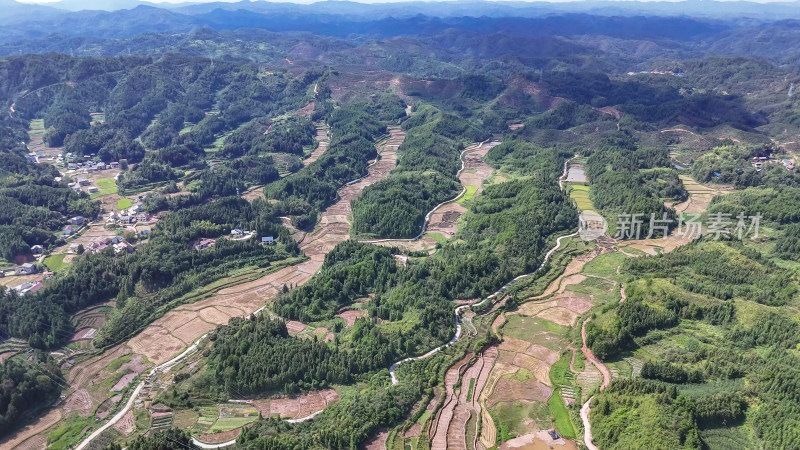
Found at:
<point>395,1</point>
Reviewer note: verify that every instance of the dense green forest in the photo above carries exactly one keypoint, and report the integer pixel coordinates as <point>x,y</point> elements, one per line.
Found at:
<point>427,165</point>
<point>627,179</point>
<point>712,322</point>
<point>354,129</point>
<point>715,284</point>
<point>34,205</point>
<point>27,386</point>
<point>732,164</point>
<point>161,270</point>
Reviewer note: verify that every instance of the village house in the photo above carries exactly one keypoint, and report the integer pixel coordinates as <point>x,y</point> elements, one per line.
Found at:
<point>26,269</point>
<point>123,247</point>
<point>142,217</point>
<point>124,217</point>
<point>267,240</point>
<point>237,232</point>
<point>77,220</point>
<point>114,165</point>
<point>83,181</point>
<point>68,230</point>
<point>93,190</point>
<point>37,250</point>
<point>204,244</point>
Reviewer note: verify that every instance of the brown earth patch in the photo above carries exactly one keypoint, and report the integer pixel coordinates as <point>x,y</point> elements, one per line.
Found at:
<point>514,345</point>
<point>350,316</point>
<point>559,315</point>
<point>543,353</point>
<point>80,402</point>
<point>218,438</point>
<point>574,303</point>
<point>294,327</point>
<point>35,443</point>
<point>126,424</point>
<point>122,382</point>
<point>296,407</point>
<point>193,329</point>
<point>509,390</point>
<point>378,442</point>
<point>539,368</point>
<point>32,431</point>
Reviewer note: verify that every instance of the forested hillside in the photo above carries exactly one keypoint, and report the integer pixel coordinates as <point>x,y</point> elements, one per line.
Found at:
<point>428,162</point>
<point>251,264</point>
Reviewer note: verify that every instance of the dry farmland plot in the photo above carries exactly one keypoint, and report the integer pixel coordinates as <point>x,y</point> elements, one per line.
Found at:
<point>334,226</point>
<point>127,424</point>
<point>32,431</point>
<point>323,138</point>
<point>296,407</point>
<point>178,328</point>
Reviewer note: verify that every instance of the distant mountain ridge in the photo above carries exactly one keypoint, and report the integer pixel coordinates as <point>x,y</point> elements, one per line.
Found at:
<point>142,19</point>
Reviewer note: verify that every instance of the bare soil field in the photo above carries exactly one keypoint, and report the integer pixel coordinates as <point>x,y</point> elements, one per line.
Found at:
<point>18,279</point>
<point>31,431</point>
<point>296,407</point>
<point>538,440</point>
<point>127,424</point>
<point>79,402</point>
<point>323,138</point>
<point>218,438</point>
<point>378,442</point>
<point>334,227</point>
<point>35,443</point>
<point>444,219</point>
<point>508,390</point>
<point>350,315</point>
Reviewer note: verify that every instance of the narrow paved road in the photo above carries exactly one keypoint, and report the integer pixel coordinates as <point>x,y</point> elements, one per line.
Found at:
<point>585,409</point>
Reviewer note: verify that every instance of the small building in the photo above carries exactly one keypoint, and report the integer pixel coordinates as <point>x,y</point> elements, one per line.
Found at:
<point>204,244</point>
<point>267,240</point>
<point>37,250</point>
<point>122,248</point>
<point>144,233</point>
<point>68,230</point>
<point>553,435</point>
<point>83,181</point>
<point>116,240</point>
<point>72,166</point>
<point>237,232</point>
<point>93,190</point>
<point>26,269</point>
<point>73,248</point>
<point>114,165</point>
<point>77,220</point>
